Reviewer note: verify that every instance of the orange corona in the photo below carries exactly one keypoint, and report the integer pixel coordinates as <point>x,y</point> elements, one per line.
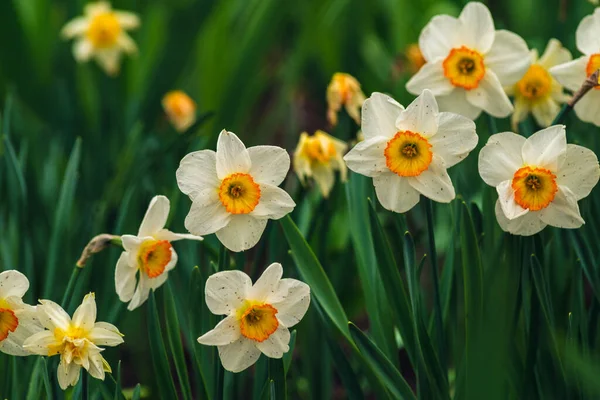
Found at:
<point>408,154</point>
<point>153,257</point>
<point>8,322</point>
<point>239,193</point>
<point>593,65</point>
<point>258,321</point>
<point>104,30</point>
<point>464,68</point>
<point>534,188</point>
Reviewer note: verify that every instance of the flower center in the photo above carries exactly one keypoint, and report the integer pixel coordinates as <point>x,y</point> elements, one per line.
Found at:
<point>239,194</point>
<point>153,257</point>
<point>593,65</point>
<point>534,188</point>
<point>71,343</point>
<point>318,149</point>
<point>257,320</point>
<point>464,67</point>
<point>8,322</point>
<point>104,30</point>
<point>408,154</point>
<point>535,84</point>
<point>179,104</point>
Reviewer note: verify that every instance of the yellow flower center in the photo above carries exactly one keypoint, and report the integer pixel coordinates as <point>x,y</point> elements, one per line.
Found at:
<point>319,149</point>
<point>408,154</point>
<point>104,30</point>
<point>8,322</point>
<point>345,85</point>
<point>534,188</point>
<point>153,257</point>
<point>71,342</point>
<point>593,65</point>
<point>464,67</point>
<point>179,104</point>
<point>257,320</point>
<point>535,84</point>
<point>239,194</point>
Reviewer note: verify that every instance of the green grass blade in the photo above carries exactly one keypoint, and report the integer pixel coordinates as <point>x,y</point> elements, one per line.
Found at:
<point>287,357</point>
<point>277,377</point>
<point>136,392</point>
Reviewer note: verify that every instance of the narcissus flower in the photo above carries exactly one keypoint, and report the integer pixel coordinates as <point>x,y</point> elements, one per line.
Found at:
<point>234,191</point>
<point>538,92</point>
<point>180,109</point>
<point>18,320</point>
<point>101,34</point>
<point>257,316</point>
<point>572,74</point>
<point>539,179</point>
<point>319,156</point>
<point>148,257</point>
<point>407,152</point>
<point>344,90</point>
<point>469,62</point>
<point>76,340</point>
<point>414,57</point>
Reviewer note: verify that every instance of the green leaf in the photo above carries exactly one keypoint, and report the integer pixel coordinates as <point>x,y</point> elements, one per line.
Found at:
<point>196,296</point>
<point>277,376</point>
<point>136,392</point>
<point>287,357</point>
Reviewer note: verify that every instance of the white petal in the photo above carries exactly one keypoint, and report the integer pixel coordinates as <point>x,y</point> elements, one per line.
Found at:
<point>434,182</point>
<point>232,156</point>
<point>155,283</point>
<point>207,214</point>
<point>242,232</point>
<point>95,367</point>
<point>85,315</point>
<point>544,111</point>
<point>75,27</point>
<point>420,116</point>
<point>527,225</point>
<point>490,96</point>
<point>277,344</point>
<point>238,355</point>
<point>197,171</point>
<point>477,27</point>
<point>508,58</point>
<point>156,216</point>
<point>126,43</point>
<point>571,74</point>
<point>267,284</point>
<point>67,374</point>
<point>367,157</point>
<point>588,34</point>
<point>274,203</point>
<point>109,60</point>
<point>125,278</point>
<point>226,290</point>
<point>102,336</point>
<point>291,306</point>
<point>324,177</point>
<point>379,114</point>
<point>96,7</point>
<point>270,164</point>
<point>454,139</point>
<point>38,343</point>
<point>563,211</point>
<point>82,50</point>
<point>52,315</point>
<point>395,192</point>
<point>27,327</point>
<point>588,107</point>
<point>522,110</point>
<point>13,284</point>
<point>506,197</point>
<point>501,157</point>
<point>554,54</point>
<point>131,244</point>
<point>165,234</point>
<point>546,148</point>
<point>456,102</point>
<point>580,171</point>
<point>439,36</point>
<point>142,291</point>
<point>127,20</point>
<point>430,76</point>
<point>226,332</point>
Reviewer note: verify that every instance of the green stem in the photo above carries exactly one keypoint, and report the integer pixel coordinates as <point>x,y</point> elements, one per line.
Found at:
<point>219,382</point>
<point>70,286</point>
<point>564,111</point>
<point>85,389</point>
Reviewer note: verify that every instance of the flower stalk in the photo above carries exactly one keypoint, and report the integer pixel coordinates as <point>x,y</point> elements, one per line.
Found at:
<point>588,85</point>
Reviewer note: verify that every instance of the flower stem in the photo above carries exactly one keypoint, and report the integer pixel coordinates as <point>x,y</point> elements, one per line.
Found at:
<point>85,392</point>
<point>588,84</point>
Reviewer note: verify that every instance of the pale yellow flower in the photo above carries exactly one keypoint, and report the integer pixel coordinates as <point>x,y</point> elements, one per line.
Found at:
<point>180,109</point>
<point>344,90</point>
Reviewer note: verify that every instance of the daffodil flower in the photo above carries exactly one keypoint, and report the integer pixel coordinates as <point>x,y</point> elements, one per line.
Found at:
<point>572,74</point>
<point>319,156</point>
<point>234,191</point>
<point>76,340</point>
<point>538,92</point>
<point>407,152</point>
<point>148,257</point>
<point>469,63</point>
<point>539,179</point>
<point>101,34</point>
<point>180,109</point>
<point>344,90</point>
<point>257,316</point>
<point>18,320</point>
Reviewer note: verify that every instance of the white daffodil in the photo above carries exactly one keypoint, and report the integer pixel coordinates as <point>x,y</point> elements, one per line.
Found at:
<point>572,74</point>
<point>469,63</point>
<point>234,191</point>
<point>18,320</point>
<point>101,34</point>
<point>148,257</point>
<point>539,179</point>
<point>538,92</point>
<point>180,109</point>
<point>319,156</point>
<point>76,340</point>
<point>407,152</point>
<point>257,316</point>
<point>344,90</point>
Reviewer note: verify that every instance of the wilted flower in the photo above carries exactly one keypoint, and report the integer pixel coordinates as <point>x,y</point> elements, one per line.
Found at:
<point>234,191</point>
<point>319,156</point>
<point>18,320</point>
<point>180,109</point>
<point>344,90</point>
<point>469,62</point>
<point>572,74</point>
<point>407,152</point>
<point>415,57</point>
<point>538,92</point>
<point>148,257</point>
<point>76,340</point>
<point>101,34</point>
<point>257,316</point>
<point>539,179</point>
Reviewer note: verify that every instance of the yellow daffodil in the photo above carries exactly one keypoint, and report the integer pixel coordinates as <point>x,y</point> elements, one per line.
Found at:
<point>180,109</point>
<point>75,340</point>
<point>344,90</point>
<point>319,156</point>
<point>101,34</point>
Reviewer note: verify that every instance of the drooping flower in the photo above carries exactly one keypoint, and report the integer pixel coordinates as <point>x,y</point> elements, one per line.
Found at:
<point>101,34</point>
<point>538,92</point>
<point>469,62</point>
<point>414,57</point>
<point>319,156</point>
<point>539,179</point>
<point>407,152</point>
<point>234,190</point>
<point>257,316</point>
<point>344,90</point>
<point>76,340</point>
<point>148,257</point>
<point>18,320</point>
<point>180,109</point>
<point>572,74</point>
